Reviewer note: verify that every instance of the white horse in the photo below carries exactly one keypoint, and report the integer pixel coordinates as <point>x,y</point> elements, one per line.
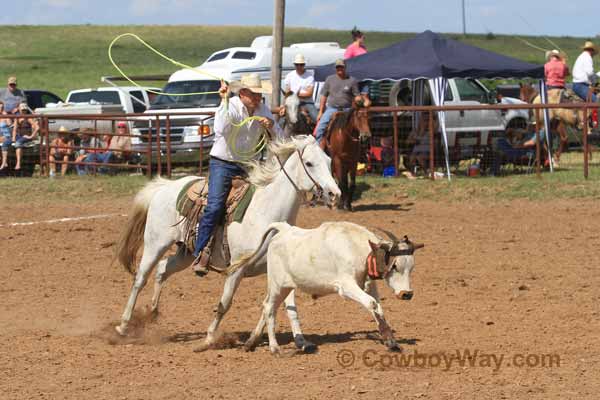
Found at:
<point>154,221</point>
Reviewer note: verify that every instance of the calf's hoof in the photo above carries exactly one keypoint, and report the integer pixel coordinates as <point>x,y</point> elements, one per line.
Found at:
<point>304,345</point>
<point>393,346</point>
<point>250,345</point>
<point>309,348</point>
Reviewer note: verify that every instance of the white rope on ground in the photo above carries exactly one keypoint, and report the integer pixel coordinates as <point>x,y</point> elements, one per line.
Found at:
<point>68,219</point>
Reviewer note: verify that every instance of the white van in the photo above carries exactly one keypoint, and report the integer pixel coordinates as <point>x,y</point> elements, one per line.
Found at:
<point>229,64</point>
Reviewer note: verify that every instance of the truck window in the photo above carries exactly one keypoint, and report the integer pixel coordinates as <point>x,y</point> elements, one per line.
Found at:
<point>244,55</point>
<point>218,56</point>
<point>104,97</point>
<point>469,90</point>
<point>137,107</point>
<point>164,101</point>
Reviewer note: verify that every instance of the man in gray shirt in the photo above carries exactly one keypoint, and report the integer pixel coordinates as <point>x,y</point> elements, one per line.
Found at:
<point>337,94</point>
<point>12,96</point>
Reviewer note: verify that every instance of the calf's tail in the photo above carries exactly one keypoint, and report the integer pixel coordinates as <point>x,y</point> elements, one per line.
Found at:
<point>252,258</point>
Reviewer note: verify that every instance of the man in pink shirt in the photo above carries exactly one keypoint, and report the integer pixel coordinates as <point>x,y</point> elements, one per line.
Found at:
<point>555,71</point>
<point>357,47</point>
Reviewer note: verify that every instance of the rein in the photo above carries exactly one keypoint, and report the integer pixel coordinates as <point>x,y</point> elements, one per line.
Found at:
<point>315,183</point>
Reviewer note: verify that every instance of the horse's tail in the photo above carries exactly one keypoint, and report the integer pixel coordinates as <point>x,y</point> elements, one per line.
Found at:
<point>260,252</point>
<point>132,236</point>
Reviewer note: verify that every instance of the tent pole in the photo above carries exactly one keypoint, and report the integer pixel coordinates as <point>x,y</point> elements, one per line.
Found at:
<point>544,100</point>
<point>431,147</point>
<point>538,169</point>
<point>396,166</point>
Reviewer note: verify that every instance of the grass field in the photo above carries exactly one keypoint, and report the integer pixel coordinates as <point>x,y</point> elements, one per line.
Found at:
<point>563,184</point>
<point>62,58</point>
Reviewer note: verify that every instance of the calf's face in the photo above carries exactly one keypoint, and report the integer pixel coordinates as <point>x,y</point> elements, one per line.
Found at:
<point>398,279</point>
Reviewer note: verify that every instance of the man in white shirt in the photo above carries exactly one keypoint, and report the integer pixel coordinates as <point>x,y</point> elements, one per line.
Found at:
<point>232,144</point>
<point>583,71</point>
<point>302,83</point>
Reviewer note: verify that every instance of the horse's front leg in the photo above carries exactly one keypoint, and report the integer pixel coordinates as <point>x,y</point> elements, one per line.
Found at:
<point>341,176</point>
<point>352,187</point>
<point>231,284</point>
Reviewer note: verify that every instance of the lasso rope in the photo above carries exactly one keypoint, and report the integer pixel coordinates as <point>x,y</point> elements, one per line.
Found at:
<point>233,137</point>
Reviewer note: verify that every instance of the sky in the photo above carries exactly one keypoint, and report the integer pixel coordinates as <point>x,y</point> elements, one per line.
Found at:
<point>525,17</point>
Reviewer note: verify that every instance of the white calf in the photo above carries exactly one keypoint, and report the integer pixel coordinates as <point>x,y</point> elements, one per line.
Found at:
<point>337,257</point>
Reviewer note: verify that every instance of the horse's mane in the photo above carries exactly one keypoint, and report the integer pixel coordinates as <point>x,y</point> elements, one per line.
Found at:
<point>341,120</point>
<point>261,174</point>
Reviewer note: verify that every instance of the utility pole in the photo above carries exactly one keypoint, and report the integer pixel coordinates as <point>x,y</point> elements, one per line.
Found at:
<point>464,19</point>
<point>276,50</point>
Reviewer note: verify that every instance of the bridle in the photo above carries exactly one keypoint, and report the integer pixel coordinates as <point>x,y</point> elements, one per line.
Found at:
<point>319,189</point>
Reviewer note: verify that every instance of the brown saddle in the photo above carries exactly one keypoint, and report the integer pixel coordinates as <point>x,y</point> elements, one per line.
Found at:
<point>191,206</point>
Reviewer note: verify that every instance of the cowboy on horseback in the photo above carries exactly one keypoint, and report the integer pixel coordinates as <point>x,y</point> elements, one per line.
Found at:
<point>583,71</point>
<point>225,161</point>
<point>338,93</point>
<point>302,84</point>
<point>555,71</point>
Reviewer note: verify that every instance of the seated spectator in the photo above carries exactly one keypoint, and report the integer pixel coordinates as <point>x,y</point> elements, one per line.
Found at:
<point>507,152</point>
<point>61,148</point>
<point>118,148</point>
<point>84,153</point>
<point>12,96</point>
<point>25,129</point>
<point>6,134</point>
<point>419,137</point>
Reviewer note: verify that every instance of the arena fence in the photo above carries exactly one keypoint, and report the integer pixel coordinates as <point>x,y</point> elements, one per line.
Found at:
<point>390,149</point>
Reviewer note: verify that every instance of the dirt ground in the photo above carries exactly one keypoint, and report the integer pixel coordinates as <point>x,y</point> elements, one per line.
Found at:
<point>507,279</point>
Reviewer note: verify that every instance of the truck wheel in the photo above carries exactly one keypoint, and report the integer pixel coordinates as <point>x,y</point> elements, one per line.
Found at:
<point>400,95</point>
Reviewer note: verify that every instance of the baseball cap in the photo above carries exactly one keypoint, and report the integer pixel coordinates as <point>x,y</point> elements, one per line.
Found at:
<point>12,80</point>
<point>121,124</point>
<point>340,63</point>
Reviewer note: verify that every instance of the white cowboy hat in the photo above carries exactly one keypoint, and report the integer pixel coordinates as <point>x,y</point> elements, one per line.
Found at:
<point>589,46</point>
<point>299,59</point>
<point>253,83</point>
<point>553,53</point>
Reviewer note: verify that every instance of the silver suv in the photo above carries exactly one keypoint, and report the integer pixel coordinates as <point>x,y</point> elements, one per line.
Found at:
<point>469,132</point>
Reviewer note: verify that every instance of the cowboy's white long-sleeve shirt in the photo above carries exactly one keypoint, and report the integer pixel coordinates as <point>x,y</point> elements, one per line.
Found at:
<point>583,70</point>
<point>248,135</point>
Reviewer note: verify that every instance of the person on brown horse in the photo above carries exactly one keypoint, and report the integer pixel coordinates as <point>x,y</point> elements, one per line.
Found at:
<point>338,93</point>
<point>341,138</point>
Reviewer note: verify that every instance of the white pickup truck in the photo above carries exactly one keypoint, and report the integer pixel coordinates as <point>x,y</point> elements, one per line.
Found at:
<point>189,131</point>
<point>103,100</point>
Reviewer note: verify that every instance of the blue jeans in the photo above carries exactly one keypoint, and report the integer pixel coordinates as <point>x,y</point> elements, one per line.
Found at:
<point>324,121</point>
<point>310,109</point>
<point>20,142</point>
<point>219,186</point>
<point>582,91</point>
<point>103,158</point>
<point>7,141</point>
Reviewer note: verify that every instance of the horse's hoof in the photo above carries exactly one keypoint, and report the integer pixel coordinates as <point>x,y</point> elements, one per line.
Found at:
<point>121,331</point>
<point>276,351</point>
<point>203,347</point>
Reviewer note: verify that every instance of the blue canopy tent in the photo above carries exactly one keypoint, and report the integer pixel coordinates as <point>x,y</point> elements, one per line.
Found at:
<point>430,56</point>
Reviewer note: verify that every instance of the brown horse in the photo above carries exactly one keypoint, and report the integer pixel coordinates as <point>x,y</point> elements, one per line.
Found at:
<point>342,142</point>
<point>560,118</point>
